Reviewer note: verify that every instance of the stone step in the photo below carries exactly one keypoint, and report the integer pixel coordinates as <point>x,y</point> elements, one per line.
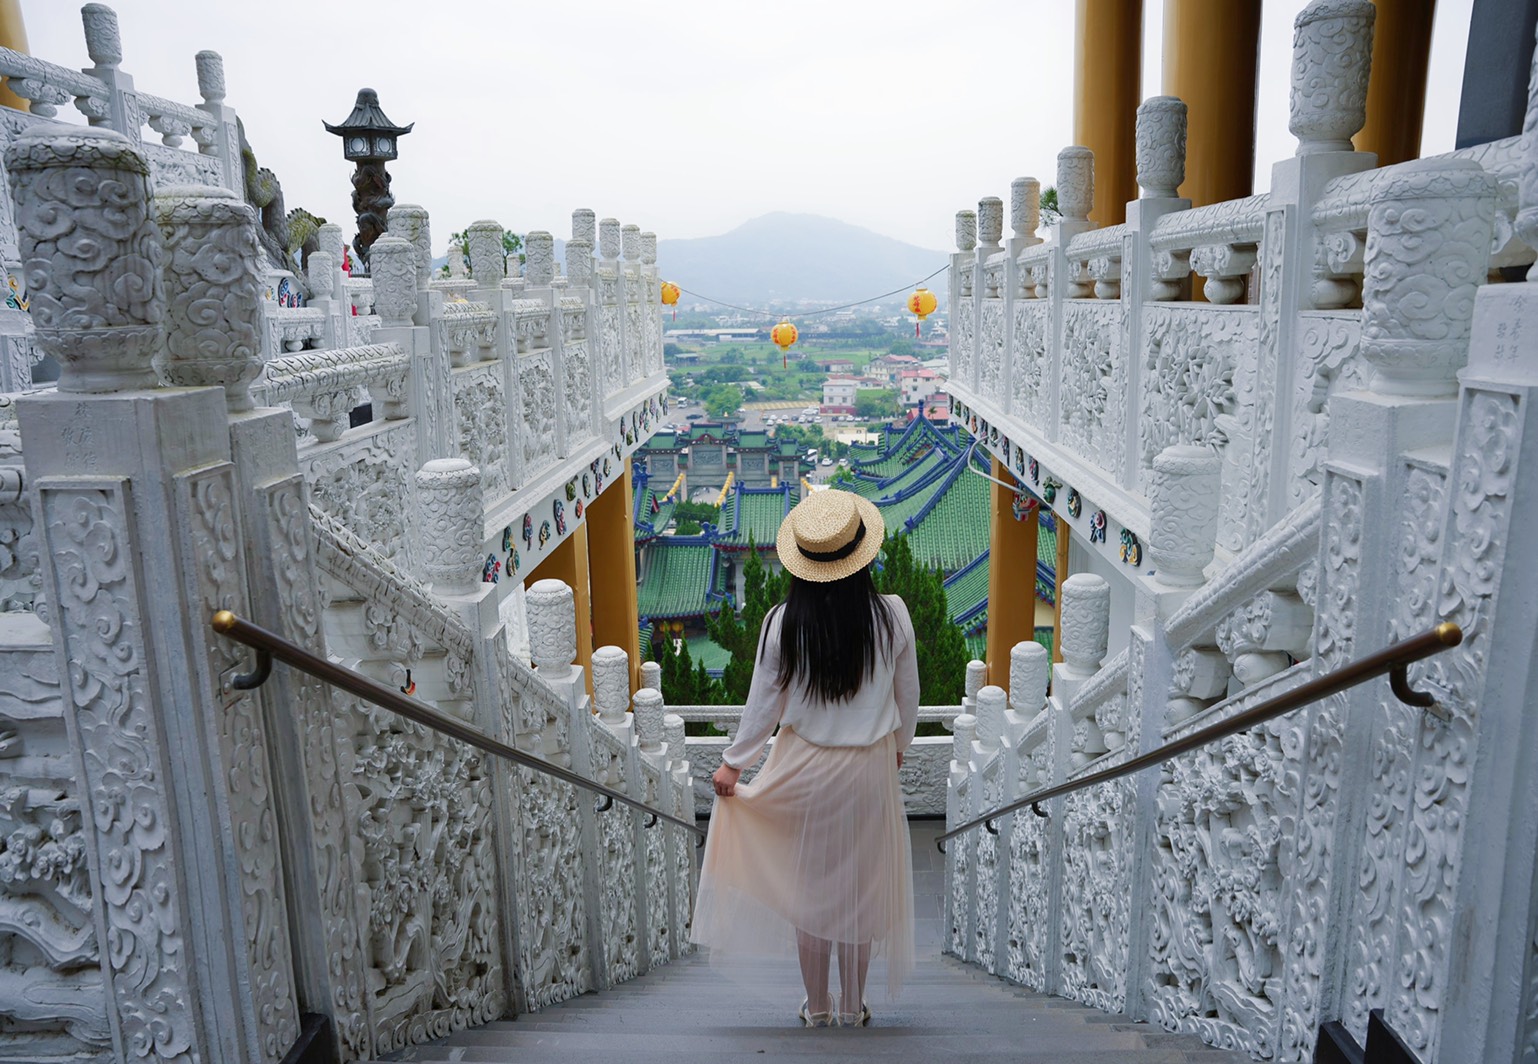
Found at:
<point>687,1012</point>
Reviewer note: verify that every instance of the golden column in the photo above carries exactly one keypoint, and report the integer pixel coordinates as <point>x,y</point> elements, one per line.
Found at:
<point>1211,61</point>
<point>1011,578</point>
<point>1396,90</point>
<point>13,35</point>
<point>1107,78</point>
<point>568,564</point>
<point>611,565</point>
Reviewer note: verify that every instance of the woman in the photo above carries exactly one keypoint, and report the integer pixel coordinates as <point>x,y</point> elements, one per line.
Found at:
<point>815,850</point>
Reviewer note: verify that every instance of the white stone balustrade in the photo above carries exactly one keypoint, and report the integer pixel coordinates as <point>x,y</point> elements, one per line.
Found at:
<point>487,258</point>
<point>1161,146</point>
<point>539,259</point>
<point>1183,500</point>
<point>1086,610</point>
<point>393,269</point>
<point>1030,670</point>
<point>1331,56</point>
<point>991,702</point>
<point>611,684</point>
<point>213,263</point>
<point>649,710</point>
<point>552,614</point>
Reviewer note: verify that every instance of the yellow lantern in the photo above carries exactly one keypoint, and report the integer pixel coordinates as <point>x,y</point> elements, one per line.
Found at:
<point>783,336</point>
<point>670,294</point>
<point>922,303</point>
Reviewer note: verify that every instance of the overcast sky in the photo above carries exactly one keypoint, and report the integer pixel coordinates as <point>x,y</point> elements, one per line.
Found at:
<point>687,117</point>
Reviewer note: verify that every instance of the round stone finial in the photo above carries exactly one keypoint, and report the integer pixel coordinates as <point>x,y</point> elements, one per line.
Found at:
<point>91,254</point>
<point>649,711</point>
<point>320,272</point>
<point>488,260</point>
<point>213,283</point>
<point>392,266</point>
<point>674,737</point>
<point>966,230</point>
<point>103,41</point>
<point>991,702</point>
<point>649,249</point>
<point>1331,59</point>
<point>1183,493</point>
<point>1086,625</point>
<point>450,519</point>
<point>990,222</point>
<point>609,242</point>
<point>331,241</point>
<point>1025,207</point>
<point>630,241</point>
<point>579,262</point>
<point>1030,669</point>
<point>611,683</point>
<point>1429,228</point>
<point>551,608</point>
<point>1161,146</point>
<point>210,76</point>
<point>651,675</point>
<point>410,222</point>
<point>1075,183</point>
<point>977,675</point>
<point>963,728</point>
<point>584,225</point>
<point>539,259</point>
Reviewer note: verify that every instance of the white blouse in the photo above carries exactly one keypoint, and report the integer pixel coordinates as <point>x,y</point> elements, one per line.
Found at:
<point>888,700</point>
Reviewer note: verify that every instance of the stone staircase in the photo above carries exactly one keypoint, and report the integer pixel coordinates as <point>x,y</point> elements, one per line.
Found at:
<point>688,1012</point>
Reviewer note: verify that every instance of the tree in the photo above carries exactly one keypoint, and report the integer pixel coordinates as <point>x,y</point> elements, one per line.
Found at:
<point>684,681</point>
<point>721,399</point>
<point>670,349</point>
<point>806,365</point>
<point>1050,213</point>
<point>739,635</point>
<point>876,403</point>
<point>942,652</point>
<point>903,345</point>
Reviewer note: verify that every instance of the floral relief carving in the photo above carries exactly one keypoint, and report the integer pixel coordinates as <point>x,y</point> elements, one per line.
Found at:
<point>1094,383</point>
<point>961,350</point>
<point>618,918</point>
<point>986,899</point>
<point>579,392</point>
<point>990,351</point>
<point>364,484</point>
<point>1096,892</point>
<point>1188,373</point>
<point>481,419</point>
<point>536,381</point>
<point>1030,900</point>
<point>1031,363</point>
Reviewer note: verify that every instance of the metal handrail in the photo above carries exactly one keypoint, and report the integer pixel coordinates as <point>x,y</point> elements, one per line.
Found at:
<point>269,645</point>
<point>1391,659</point>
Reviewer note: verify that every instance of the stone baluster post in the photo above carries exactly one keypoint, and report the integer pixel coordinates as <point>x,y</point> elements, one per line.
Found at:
<point>213,277</point>
<point>611,684</point>
<point>579,264</point>
<point>410,222</point>
<point>963,731</point>
<point>963,282</point>
<point>651,676</point>
<point>674,738</point>
<point>1331,58</point>
<point>977,676</point>
<point>630,243</point>
<point>584,225</point>
<point>990,701</point>
<point>1086,625</point>
<point>392,265</point>
<point>1030,667</point>
<point>1024,213</point>
<point>488,262</point>
<point>649,711</point>
<point>1161,147</point>
<point>226,139</point>
<point>1183,496</point>
<point>990,227</point>
<point>104,44</point>
<point>449,528</point>
<point>539,259</point>
<point>135,499</point>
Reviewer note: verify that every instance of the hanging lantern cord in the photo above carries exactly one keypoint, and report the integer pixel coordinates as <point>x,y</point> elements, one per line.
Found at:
<point>816,313</point>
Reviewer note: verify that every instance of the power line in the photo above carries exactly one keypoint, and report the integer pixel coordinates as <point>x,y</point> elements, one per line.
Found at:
<point>814,313</point>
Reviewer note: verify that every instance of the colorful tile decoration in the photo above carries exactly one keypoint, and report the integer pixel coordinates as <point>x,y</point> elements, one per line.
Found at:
<point>1097,527</point>
<point>1075,503</point>
<point>560,517</point>
<point>528,531</point>
<point>491,572</point>
<point>1131,549</point>
<point>544,533</point>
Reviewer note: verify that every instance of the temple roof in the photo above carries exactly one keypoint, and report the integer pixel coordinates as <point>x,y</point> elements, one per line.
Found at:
<point>752,516</point>
<point>680,579</point>
<point>966,594</point>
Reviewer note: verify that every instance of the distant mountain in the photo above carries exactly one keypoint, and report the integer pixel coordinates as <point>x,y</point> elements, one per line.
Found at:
<point>796,256</point>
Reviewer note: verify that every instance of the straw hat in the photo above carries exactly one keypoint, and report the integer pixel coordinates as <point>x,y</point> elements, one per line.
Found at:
<point>830,535</point>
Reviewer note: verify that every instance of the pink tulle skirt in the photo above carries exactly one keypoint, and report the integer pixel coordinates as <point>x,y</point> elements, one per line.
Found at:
<point>817,842</point>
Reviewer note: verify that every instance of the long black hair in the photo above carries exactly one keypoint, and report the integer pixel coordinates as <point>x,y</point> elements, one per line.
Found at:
<point>830,634</point>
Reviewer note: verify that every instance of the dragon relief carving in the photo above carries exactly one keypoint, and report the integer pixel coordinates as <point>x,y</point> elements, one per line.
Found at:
<point>986,899</point>
<point>1030,896</point>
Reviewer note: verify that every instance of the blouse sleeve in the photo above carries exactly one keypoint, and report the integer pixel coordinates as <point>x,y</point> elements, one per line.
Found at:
<point>905,680</point>
<point>766,702</point>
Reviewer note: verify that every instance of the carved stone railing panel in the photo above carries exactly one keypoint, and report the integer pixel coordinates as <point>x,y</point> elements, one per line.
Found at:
<point>654,883</point>
<point>1094,384</point>
<point>1030,364</point>
<point>960,862</point>
<point>365,483</point>
<point>480,422</point>
<point>620,876</point>
<point>1329,362</point>
<point>985,900</point>
<point>990,347</point>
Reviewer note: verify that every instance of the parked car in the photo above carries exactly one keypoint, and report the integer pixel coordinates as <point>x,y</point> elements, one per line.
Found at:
<point>695,417</point>
<point>827,461</point>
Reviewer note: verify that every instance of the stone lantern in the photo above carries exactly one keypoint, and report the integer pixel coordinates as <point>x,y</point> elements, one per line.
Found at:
<point>369,139</point>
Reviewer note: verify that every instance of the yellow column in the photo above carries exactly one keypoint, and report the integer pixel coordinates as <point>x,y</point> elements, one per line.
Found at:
<point>1011,579</point>
<point>611,566</point>
<point>1107,77</point>
<point>568,564</point>
<point>1211,60</point>
<point>13,35</point>
<point>1396,91</point>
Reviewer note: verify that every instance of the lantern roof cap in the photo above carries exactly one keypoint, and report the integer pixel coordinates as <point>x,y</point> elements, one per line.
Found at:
<point>367,116</point>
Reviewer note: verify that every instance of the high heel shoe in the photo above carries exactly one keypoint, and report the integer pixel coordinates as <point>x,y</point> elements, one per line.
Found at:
<point>815,1019</point>
<point>855,1019</point>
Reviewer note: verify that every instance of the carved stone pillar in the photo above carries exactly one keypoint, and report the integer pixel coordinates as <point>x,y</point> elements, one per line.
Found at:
<point>579,263</point>
<point>392,265</point>
<point>1161,146</point>
<point>649,710</point>
<point>1086,624</point>
<point>630,242</point>
<point>1331,58</point>
<point>539,259</point>
<point>213,278</point>
<point>651,676</point>
<point>450,525</point>
<point>488,262</point>
<point>1025,209</point>
<point>611,684</point>
<point>409,222</point>
<point>320,274</point>
<point>552,625</point>
<point>963,729</point>
<point>991,701</point>
<point>225,142</point>
<point>332,241</point>
<point>648,249</point>
<point>93,270</point>
<point>1183,493</point>
<point>966,230</point>
<point>584,225</point>
<point>1418,293</point>
<point>609,240</point>
<point>674,738</point>
<point>990,224</point>
<point>1030,667</point>
<point>1075,183</point>
<point>977,676</point>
